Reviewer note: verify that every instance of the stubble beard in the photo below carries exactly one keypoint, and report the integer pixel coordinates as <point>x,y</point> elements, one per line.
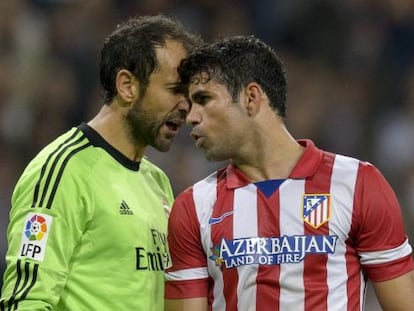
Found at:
<point>214,154</point>
<point>143,129</point>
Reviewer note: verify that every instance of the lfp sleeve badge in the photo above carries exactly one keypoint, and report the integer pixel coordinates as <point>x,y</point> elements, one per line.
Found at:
<point>34,236</point>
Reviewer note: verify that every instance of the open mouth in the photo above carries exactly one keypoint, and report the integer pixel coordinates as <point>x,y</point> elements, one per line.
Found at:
<point>173,126</point>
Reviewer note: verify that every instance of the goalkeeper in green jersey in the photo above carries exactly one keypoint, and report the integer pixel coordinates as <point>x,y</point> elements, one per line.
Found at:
<point>88,220</point>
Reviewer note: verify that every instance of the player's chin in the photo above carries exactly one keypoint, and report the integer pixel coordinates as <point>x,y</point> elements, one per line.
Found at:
<point>210,156</point>
<point>163,144</point>
<point>213,155</point>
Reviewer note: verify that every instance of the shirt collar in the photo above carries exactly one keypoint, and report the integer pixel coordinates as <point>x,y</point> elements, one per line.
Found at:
<point>306,166</point>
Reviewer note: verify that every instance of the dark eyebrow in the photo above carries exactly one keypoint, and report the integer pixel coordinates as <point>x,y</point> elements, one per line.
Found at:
<point>177,86</point>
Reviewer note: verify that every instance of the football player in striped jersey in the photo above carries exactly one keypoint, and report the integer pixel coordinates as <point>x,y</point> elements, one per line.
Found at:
<point>286,225</point>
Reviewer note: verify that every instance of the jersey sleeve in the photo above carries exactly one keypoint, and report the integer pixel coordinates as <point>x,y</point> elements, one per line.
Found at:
<point>47,220</point>
<point>188,276</point>
<point>381,241</point>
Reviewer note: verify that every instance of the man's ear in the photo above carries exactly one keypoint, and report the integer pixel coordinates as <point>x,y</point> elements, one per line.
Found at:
<point>254,98</point>
<point>126,86</point>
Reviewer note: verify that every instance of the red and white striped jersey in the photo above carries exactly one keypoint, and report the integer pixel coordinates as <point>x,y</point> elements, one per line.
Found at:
<point>309,245</point>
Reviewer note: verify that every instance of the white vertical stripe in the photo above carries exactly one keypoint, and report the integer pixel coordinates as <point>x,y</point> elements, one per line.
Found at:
<point>292,291</point>
<point>363,292</point>
<point>319,214</point>
<point>342,188</point>
<point>245,226</point>
<point>205,195</point>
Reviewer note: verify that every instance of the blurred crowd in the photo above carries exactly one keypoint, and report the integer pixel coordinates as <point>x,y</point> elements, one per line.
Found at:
<point>349,64</point>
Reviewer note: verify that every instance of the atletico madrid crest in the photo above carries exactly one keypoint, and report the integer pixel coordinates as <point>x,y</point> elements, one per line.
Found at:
<point>316,209</point>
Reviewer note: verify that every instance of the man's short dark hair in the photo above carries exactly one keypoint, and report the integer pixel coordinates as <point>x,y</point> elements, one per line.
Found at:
<point>132,46</point>
<point>237,61</point>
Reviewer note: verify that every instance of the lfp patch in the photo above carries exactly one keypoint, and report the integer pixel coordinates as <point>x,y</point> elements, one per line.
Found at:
<point>34,237</point>
<point>316,209</point>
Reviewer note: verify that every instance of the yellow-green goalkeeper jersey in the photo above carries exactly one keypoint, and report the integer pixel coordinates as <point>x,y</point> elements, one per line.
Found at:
<point>87,230</point>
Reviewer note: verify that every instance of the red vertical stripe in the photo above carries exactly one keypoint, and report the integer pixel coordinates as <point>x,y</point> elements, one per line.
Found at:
<point>225,204</point>
<point>315,274</point>
<point>268,290</point>
<point>353,283</point>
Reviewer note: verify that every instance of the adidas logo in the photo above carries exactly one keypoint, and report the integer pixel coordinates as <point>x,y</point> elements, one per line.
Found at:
<point>124,209</point>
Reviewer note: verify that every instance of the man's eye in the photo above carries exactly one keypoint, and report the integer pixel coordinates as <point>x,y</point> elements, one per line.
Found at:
<point>203,99</point>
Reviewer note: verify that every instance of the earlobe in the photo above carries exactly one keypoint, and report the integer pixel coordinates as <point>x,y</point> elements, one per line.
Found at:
<point>126,86</point>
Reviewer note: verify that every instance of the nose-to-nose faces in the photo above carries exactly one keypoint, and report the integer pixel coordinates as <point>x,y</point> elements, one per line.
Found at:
<point>183,105</point>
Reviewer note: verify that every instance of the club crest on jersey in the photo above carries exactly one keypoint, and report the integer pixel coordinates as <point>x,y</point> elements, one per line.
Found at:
<point>34,236</point>
<point>316,209</point>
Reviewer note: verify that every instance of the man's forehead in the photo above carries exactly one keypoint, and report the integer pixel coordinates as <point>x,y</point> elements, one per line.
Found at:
<point>206,86</point>
<point>170,55</point>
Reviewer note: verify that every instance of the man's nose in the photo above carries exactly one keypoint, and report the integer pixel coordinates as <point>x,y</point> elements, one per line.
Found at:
<point>193,116</point>
<point>183,106</point>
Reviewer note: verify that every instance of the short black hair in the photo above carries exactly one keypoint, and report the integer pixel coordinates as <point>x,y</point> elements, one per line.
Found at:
<point>132,46</point>
<point>237,61</point>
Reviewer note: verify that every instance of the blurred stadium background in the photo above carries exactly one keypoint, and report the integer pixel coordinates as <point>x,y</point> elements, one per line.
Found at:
<point>350,69</point>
